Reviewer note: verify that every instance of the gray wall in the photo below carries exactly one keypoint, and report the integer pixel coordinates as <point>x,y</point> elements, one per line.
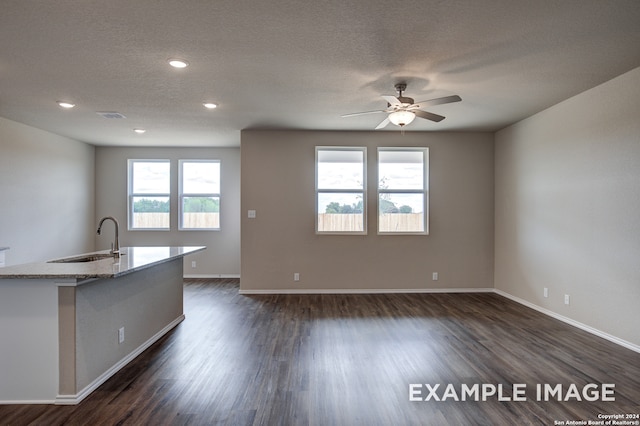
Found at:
<point>222,257</point>
<point>568,208</point>
<point>46,194</point>
<point>144,303</point>
<point>278,181</point>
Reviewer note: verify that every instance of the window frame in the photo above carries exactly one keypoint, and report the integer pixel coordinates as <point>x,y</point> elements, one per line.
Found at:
<point>131,195</point>
<point>362,191</point>
<point>424,191</point>
<point>182,195</point>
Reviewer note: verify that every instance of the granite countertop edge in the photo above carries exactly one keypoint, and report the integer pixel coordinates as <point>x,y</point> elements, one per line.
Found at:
<point>133,259</point>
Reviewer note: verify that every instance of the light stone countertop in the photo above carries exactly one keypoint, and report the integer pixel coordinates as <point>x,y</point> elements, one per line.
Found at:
<point>132,259</point>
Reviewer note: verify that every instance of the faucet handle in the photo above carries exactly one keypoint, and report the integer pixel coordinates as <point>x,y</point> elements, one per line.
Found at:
<point>114,252</point>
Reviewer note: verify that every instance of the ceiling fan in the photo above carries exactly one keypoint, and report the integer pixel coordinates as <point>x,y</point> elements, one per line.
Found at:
<point>402,110</point>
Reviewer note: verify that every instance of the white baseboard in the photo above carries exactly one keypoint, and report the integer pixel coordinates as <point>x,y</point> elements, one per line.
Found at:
<point>570,321</point>
<point>77,398</point>
<point>27,402</point>
<point>205,276</point>
<point>366,291</point>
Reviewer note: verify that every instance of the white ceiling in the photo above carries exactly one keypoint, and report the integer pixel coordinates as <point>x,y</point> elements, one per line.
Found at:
<point>297,64</point>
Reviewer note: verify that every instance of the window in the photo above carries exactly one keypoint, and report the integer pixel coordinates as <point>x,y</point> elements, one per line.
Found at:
<point>149,194</point>
<point>199,194</point>
<point>403,190</point>
<point>340,190</point>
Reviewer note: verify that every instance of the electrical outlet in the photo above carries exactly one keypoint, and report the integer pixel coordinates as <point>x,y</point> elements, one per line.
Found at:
<point>546,292</point>
<point>434,276</point>
<point>121,335</point>
<point>251,214</point>
<point>566,299</point>
<point>193,263</point>
<point>296,276</point>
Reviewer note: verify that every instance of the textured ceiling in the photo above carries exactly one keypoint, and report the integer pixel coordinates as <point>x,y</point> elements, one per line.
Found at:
<point>291,64</point>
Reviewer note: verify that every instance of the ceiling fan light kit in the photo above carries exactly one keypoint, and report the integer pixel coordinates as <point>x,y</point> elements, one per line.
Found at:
<point>401,118</point>
<point>402,110</point>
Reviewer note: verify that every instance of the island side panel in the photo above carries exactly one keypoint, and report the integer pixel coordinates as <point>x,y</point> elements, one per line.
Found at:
<point>67,341</point>
<point>144,303</point>
<point>29,333</point>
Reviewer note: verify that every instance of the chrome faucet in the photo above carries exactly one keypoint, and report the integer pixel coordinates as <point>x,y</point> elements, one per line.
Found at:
<point>115,246</point>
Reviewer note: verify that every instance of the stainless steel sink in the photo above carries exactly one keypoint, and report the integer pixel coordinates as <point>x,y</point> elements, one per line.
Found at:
<point>84,258</point>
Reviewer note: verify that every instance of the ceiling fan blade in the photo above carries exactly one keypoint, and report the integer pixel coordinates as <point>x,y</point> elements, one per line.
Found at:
<point>392,100</point>
<point>362,113</point>
<point>383,124</point>
<point>428,115</point>
<point>437,101</point>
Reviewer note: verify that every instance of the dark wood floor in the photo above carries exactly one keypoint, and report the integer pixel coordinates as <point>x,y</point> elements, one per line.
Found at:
<point>349,360</point>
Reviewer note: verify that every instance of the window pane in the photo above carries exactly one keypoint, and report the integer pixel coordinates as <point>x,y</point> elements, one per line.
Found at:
<point>401,213</point>
<point>340,212</point>
<point>201,213</point>
<point>150,212</point>
<point>340,169</point>
<point>401,169</point>
<point>151,177</point>
<point>201,177</point>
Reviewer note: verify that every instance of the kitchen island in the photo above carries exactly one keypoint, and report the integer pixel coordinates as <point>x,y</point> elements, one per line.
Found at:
<point>69,324</point>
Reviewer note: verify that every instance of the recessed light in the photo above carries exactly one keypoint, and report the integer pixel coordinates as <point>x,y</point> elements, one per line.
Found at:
<point>210,105</point>
<point>139,131</point>
<point>67,105</point>
<point>178,63</point>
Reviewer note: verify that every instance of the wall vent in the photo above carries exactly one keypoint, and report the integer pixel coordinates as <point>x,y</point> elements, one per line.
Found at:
<point>110,114</point>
